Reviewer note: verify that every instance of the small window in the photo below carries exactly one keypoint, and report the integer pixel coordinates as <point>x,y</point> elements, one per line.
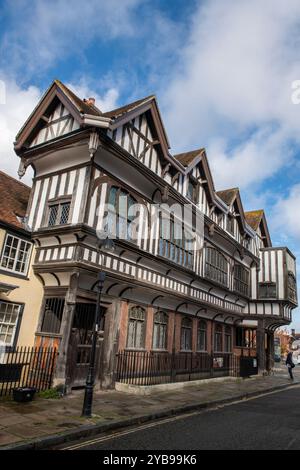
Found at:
<point>136,328</point>
<point>16,254</point>
<point>52,315</point>
<point>59,214</point>
<point>245,337</point>
<point>186,334</point>
<point>9,316</point>
<point>160,331</point>
<point>267,290</point>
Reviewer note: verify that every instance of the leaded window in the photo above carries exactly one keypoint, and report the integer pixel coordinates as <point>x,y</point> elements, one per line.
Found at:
<point>228,339</point>
<point>292,288</point>
<point>16,254</point>
<point>52,315</point>
<point>120,216</point>
<point>186,334</point>
<point>59,213</point>
<point>136,328</point>
<point>175,243</point>
<point>241,279</point>
<point>216,266</point>
<point>192,191</point>
<point>218,338</point>
<point>9,316</point>
<point>202,336</point>
<point>160,331</point>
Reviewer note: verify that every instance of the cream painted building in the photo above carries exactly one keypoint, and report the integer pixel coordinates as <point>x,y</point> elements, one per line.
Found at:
<point>20,290</point>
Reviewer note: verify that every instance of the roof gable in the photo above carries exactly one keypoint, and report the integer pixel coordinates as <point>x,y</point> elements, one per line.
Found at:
<point>47,109</point>
<point>257,220</point>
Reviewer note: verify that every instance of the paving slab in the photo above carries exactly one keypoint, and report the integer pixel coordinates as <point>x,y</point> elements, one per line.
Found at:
<point>43,421</point>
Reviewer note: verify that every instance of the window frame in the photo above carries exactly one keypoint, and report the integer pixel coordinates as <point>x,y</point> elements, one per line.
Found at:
<point>230,225</point>
<point>10,347</point>
<point>202,328</point>
<point>186,326</point>
<point>60,201</point>
<point>228,334</point>
<point>27,263</point>
<point>143,330</point>
<point>211,265</point>
<point>218,334</point>
<point>175,249</point>
<point>128,219</point>
<point>241,280</point>
<point>163,327</point>
<point>292,288</point>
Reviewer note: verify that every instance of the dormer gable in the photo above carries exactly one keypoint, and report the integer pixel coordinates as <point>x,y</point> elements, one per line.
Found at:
<point>59,112</point>
<point>258,222</point>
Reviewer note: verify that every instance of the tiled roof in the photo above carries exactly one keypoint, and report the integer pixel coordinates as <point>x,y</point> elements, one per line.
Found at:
<point>14,197</point>
<point>186,158</point>
<point>128,107</point>
<point>81,105</point>
<point>228,195</point>
<point>253,218</point>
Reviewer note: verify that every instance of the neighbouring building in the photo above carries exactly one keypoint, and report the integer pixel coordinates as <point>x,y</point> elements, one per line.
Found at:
<point>226,293</point>
<point>21,292</point>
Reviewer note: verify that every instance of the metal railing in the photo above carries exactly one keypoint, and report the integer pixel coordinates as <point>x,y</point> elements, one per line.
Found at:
<point>152,368</point>
<point>27,367</point>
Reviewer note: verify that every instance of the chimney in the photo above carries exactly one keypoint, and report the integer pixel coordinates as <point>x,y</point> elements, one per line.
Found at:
<point>90,101</point>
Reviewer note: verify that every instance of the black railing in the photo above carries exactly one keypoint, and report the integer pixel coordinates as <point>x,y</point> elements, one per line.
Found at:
<point>151,368</point>
<point>27,367</point>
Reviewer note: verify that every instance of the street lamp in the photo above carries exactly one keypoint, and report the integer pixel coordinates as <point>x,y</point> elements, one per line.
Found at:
<point>106,245</point>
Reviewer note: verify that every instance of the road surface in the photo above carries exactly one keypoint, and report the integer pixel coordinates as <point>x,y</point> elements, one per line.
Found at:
<point>269,422</point>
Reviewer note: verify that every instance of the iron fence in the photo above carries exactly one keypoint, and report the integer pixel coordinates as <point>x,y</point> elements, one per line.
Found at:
<point>151,368</point>
<point>27,367</point>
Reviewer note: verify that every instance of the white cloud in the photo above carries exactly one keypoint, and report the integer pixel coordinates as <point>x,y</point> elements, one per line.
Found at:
<point>231,91</point>
<point>83,89</point>
<point>286,213</point>
<point>44,32</point>
<point>19,103</point>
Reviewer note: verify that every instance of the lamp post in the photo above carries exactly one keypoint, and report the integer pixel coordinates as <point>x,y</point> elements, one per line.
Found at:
<point>107,245</point>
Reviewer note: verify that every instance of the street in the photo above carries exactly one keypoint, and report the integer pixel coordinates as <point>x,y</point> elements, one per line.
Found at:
<point>269,422</point>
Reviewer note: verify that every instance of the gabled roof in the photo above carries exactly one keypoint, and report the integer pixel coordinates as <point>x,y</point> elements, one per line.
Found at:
<point>228,195</point>
<point>81,105</point>
<point>187,158</point>
<point>114,113</point>
<point>14,197</point>
<point>253,218</point>
<point>257,219</point>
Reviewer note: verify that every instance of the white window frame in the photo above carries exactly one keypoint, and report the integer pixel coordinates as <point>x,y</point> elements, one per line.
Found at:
<point>13,270</point>
<point>6,323</point>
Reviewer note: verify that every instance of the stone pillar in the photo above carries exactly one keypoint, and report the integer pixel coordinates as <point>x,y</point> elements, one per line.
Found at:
<point>110,344</point>
<point>60,377</point>
<point>260,346</point>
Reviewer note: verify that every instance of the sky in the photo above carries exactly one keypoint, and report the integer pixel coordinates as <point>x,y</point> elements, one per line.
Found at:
<point>223,73</point>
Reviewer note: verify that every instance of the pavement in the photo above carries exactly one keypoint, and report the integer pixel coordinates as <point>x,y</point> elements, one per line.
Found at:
<point>268,422</point>
<point>44,423</point>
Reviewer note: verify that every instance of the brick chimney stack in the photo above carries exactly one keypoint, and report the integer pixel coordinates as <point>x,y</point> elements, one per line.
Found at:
<point>90,101</point>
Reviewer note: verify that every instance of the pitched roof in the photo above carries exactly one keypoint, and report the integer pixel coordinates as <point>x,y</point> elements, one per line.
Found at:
<point>128,107</point>
<point>14,197</point>
<point>81,105</point>
<point>228,195</point>
<point>186,158</point>
<point>253,218</point>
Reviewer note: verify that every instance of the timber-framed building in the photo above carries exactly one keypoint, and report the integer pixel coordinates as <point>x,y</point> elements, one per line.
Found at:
<point>227,296</point>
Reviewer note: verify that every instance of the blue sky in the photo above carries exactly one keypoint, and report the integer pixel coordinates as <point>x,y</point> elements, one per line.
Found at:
<point>222,72</point>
